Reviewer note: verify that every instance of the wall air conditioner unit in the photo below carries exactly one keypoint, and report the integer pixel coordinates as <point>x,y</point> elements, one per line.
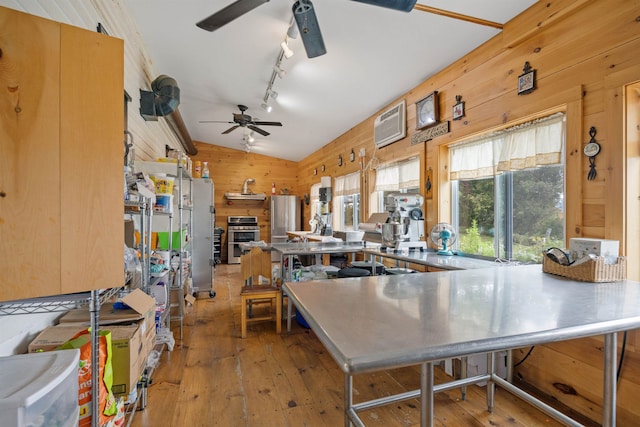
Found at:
<point>390,126</point>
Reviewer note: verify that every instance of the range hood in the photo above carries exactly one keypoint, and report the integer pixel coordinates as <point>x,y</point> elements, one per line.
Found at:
<point>243,196</point>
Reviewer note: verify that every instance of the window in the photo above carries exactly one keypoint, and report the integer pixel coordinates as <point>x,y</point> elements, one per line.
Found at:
<point>402,177</point>
<point>346,202</point>
<point>508,191</point>
<point>314,198</point>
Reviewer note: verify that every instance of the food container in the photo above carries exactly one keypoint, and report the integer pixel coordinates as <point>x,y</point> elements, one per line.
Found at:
<point>162,183</point>
<point>39,387</point>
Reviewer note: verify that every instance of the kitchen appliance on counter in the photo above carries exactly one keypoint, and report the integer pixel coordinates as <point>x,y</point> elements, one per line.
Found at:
<point>240,229</point>
<point>285,216</point>
<point>401,227</point>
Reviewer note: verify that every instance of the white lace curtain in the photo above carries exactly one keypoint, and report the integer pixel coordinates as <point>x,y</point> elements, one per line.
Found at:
<point>347,185</point>
<point>536,143</point>
<point>398,175</point>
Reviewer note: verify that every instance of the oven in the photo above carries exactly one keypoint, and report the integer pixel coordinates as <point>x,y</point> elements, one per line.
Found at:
<point>240,229</point>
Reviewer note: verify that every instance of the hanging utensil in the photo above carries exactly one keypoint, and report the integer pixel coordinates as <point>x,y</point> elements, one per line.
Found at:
<point>591,150</point>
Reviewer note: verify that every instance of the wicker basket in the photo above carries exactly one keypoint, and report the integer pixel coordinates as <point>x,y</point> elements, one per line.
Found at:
<point>589,271</point>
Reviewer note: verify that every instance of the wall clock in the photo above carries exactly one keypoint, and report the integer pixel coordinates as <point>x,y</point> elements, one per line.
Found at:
<point>427,111</point>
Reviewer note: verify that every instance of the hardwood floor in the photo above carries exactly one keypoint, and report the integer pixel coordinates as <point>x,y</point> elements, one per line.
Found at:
<point>215,378</point>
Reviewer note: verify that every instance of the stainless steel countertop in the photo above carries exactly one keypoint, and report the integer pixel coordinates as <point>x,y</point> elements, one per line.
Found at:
<point>382,322</point>
<point>432,259</point>
<point>311,248</point>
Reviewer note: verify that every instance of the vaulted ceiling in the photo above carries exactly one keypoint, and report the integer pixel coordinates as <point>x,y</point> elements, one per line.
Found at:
<point>374,55</point>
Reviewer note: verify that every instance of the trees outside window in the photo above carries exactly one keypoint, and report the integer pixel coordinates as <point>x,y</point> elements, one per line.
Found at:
<point>508,191</point>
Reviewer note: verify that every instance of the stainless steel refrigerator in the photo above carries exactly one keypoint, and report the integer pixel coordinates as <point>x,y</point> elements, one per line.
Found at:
<point>204,219</point>
<point>285,216</point>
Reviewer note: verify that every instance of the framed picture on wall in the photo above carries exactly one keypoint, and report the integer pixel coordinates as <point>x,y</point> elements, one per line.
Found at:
<point>527,80</point>
<point>458,108</point>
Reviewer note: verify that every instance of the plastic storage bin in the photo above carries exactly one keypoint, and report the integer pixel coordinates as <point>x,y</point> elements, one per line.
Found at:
<point>163,239</point>
<point>38,388</point>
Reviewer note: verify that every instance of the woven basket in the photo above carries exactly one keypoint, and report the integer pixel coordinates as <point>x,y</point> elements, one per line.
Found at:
<point>589,271</point>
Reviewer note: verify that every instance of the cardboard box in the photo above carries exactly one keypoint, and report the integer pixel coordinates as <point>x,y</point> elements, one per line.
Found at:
<point>580,247</point>
<point>129,351</point>
<point>142,311</point>
<point>129,233</point>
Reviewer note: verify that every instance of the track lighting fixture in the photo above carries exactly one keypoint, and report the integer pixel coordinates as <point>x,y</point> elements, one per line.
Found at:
<point>288,53</point>
<point>273,94</point>
<point>266,107</point>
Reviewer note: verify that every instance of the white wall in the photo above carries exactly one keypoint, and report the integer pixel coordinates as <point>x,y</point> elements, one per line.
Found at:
<point>149,138</point>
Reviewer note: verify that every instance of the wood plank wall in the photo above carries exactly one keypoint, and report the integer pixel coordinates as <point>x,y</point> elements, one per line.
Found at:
<point>229,168</point>
<point>585,54</point>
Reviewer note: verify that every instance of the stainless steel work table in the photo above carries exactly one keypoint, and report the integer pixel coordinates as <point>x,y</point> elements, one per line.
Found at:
<point>427,258</point>
<point>289,250</point>
<point>383,322</point>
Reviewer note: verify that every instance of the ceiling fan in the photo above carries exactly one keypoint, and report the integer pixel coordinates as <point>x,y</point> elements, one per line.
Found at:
<point>304,14</point>
<point>245,120</point>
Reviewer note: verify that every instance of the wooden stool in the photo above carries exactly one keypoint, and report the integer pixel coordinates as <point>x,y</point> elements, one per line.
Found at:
<point>251,294</point>
<point>255,264</point>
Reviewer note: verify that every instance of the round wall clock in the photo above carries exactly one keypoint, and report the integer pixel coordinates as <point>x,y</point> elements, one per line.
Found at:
<point>427,111</point>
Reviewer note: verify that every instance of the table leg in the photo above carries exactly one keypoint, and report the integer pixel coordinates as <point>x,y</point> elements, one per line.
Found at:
<point>348,398</point>
<point>463,374</point>
<point>609,392</point>
<point>289,304</point>
<point>372,260</point>
<point>491,386</point>
<point>426,395</point>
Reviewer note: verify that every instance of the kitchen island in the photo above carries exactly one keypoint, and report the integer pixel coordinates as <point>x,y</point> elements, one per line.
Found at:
<point>377,323</point>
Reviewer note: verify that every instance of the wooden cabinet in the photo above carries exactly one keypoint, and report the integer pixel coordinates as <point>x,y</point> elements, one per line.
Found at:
<point>61,158</point>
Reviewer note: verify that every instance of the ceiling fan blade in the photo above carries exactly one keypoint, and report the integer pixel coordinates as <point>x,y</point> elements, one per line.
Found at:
<point>402,5</point>
<point>214,121</point>
<point>260,131</point>
<point>228,14</point>
<point>308,27</point>
<point>267,123</point>
<point>231,129</point>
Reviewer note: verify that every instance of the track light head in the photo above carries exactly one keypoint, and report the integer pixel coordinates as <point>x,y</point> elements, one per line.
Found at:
<point>288,53</point>
<point>266,107</point>
<point>281,73</point>
<point>273,94</point>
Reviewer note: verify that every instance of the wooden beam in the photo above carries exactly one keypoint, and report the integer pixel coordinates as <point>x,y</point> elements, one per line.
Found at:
<point>455,15</point>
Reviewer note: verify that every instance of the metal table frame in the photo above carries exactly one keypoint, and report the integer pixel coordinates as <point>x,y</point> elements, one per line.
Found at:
<point>459,313</point>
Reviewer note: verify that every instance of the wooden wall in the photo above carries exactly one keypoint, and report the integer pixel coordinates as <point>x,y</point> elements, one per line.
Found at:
<point>229,168</point>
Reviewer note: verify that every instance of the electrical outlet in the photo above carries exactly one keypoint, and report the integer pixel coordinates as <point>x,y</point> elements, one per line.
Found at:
<point>361,152</point>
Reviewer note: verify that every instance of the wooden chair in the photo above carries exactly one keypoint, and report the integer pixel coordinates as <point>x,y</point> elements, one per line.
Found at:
<point>254,264</point>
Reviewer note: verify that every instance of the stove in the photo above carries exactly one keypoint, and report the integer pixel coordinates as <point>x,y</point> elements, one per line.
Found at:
<point>240,229</point>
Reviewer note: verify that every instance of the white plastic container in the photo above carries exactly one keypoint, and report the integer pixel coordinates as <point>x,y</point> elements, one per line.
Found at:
<point>37,388</point>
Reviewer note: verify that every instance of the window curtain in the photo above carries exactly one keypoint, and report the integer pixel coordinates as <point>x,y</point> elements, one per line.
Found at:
<point>533,144</point>
<point>398,176</point>
<point>314,198</point>
<point>347,185</point>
